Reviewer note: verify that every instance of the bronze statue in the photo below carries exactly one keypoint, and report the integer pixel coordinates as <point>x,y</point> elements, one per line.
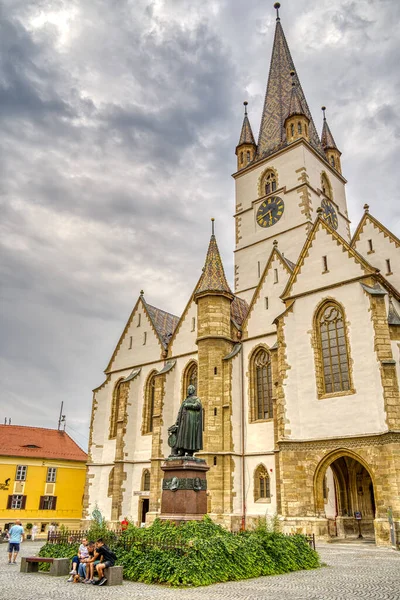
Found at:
<point>186,436</point>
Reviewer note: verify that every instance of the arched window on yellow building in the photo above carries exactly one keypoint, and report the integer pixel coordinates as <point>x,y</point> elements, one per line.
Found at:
<point>148,408</point>
<point>333,349</point>
<point>262,484</point>
<point>261,385</point>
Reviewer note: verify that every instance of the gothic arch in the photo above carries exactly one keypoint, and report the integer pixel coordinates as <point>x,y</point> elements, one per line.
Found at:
<point>145,483</point>
<point>328,461</point>
<point>262,180</point>
<point>333,363</point>
<point>262,484</point>
<point>260,384</point>
<point>148,403</point>
<point>189,377</point>
<point>114,409</point>
<point>326,186</point>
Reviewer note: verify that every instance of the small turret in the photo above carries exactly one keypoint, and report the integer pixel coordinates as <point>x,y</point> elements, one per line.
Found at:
<point>332,152</point>
<point>297,121</point>
<point>246,148</point>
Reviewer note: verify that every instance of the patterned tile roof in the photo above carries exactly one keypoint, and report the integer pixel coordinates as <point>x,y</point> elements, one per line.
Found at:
<point>246,135</point>
<point>295,104</point>
<point>239,310</point>
<point>164,323</point>
<point>213,278</point>
<point>327,137</point>
<point>272,134</point>
<point>37,442</point>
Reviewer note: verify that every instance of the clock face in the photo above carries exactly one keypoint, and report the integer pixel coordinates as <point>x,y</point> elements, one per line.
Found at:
<point>270,211</point>
<point>329,213</point>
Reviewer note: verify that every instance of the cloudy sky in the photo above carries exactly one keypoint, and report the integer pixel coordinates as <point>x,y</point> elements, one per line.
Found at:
<point>119,120</point>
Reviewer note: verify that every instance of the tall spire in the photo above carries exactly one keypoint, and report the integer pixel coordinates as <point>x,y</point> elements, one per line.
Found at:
<point>246,148</point>
<point>272,134</point>
<point>213,278</point>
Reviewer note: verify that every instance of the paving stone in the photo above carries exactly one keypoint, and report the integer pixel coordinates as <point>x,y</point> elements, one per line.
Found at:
<point>353,572</point>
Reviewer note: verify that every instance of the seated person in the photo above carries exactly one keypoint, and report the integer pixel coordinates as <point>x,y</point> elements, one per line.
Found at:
<point>107,560</point>
<point>82,553</point>
<point>86,564</point>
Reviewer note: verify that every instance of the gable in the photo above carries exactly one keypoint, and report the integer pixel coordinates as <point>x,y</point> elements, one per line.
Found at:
<point>184,338</point>
<point>379,246</point>
<point>342,262</point>
<point>266,304</point>
<point>139,342</point>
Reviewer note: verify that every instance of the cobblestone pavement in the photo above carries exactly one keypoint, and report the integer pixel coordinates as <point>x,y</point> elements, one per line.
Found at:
<point>352,572</point>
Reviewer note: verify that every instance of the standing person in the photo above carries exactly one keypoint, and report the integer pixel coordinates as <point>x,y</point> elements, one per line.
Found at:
<point>107,560</point>
<point>34,532</point>
<point>15,537</point>
<point>124,524</point>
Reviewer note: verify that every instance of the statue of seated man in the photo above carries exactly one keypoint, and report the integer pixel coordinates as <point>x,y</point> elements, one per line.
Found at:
<point>186,436</point>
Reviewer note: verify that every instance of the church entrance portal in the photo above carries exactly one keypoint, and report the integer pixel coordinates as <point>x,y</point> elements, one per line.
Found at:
<point>348,497</point>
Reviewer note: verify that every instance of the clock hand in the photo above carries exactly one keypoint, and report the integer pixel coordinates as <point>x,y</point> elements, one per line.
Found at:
<point>262,217</point>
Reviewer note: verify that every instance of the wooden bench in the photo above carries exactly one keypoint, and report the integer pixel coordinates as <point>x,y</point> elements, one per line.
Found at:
<point>58,566</point>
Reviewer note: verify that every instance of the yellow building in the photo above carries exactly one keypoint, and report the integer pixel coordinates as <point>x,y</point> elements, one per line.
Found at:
<point>42,477</point>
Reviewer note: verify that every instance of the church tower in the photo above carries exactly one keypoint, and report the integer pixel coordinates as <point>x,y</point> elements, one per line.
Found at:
<point>283,179</point>
<point>213,297</point>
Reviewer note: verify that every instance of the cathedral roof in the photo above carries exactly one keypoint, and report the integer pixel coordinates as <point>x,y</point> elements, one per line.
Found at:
<point>278,96</point>
<point>327,138</point>
<point>164,322</point>
<point>239,310</point>
<point>246,135</point>
<point>213,277</point>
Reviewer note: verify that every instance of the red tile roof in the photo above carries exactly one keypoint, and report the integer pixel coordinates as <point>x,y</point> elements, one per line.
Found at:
<point>37,442</point>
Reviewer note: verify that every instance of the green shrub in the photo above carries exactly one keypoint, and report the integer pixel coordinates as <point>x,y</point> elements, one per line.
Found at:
<point>202,553</point>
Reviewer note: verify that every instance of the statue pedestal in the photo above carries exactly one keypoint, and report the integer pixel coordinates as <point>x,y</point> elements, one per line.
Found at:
<point>184,489</point>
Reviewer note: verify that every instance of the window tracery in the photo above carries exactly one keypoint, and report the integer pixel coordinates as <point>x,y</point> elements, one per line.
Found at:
<point>261,386</point>
<point>149,398</point>
<point>333,348</point>
<point>262,484</point>
<point>268,182</point>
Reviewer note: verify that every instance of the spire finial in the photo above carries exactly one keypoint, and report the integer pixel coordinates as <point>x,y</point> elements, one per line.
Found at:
<point>323,108</point>
<point>277,7</point>
<point>292,74</point>
<point>275,243</point>
<point>212,225</point>
<point>366,207</point>
<point>319,211</point>
<point>245,103</point>
<point>141,292</point>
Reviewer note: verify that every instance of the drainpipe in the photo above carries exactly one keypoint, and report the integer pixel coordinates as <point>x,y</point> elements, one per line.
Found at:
<point>243,524</point>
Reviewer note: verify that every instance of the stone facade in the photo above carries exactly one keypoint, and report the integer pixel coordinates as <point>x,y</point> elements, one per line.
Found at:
<point>313,433</point>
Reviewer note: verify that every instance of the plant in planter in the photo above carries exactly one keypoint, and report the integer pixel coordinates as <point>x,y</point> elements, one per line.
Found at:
<point>28,528</point>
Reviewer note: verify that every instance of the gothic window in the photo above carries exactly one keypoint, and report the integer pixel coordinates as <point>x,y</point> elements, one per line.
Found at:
<point>292,129</point>
<point>334,353</point>
<point>262,484</point>
<point>326,186</point>
<point>332,160</point>
<point>241,157</point>
<point>248,156</point>
<point>148,409</point>
<point>146,481</point>
<point>261,387</point>
<point>189,378</point>
<point>114,411</point>
<point>299,129</point>
<point>268,182</point>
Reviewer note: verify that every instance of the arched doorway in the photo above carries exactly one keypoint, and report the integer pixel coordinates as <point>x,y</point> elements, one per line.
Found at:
<point>345,495</point>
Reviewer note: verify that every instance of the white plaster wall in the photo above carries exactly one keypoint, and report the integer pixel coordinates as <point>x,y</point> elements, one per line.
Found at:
<point>131,500</point>
<point>261,319</point>
<point>140,353</point>
<point>98,490</point>
<point>354,414</point>
<point>341,266</point>
<point>261,508</point>
<point>383,248</point>
<point>185,339</point>
<point>237,485</point>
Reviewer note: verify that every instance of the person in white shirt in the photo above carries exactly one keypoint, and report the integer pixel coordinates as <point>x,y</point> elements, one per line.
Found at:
<point>34,532</point>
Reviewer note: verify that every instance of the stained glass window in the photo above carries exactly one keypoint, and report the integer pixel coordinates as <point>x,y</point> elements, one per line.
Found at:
<point>263,386</point>
<point>335,359</point>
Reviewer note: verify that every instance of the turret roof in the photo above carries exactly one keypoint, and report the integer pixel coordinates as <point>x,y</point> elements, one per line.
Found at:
<point>327,138</point>
<point>246,135</point>
<point>278,96</point>
<point>213,278</point>
<point>295,104</point>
